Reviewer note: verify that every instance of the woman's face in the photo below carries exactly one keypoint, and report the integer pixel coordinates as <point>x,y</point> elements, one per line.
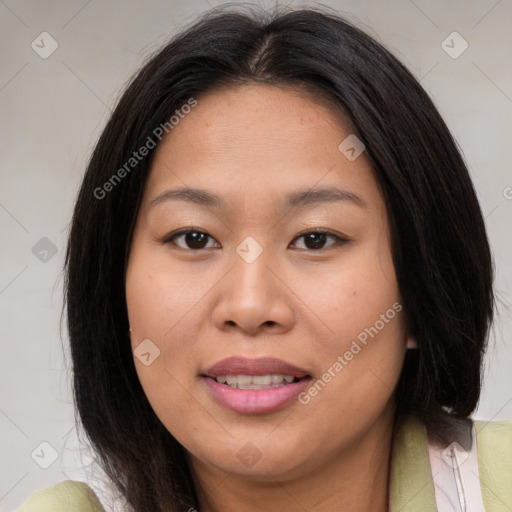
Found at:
<point>248,283</point>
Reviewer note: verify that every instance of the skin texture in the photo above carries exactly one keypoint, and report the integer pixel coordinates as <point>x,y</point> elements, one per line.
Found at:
<point>252,145</point>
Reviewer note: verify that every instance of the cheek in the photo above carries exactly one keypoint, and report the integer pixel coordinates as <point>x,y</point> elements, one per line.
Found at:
<point>350,295</point>
<point>166,304</point>
<point>160,295</point>
<point>160,301</point>
<point>362,356</point>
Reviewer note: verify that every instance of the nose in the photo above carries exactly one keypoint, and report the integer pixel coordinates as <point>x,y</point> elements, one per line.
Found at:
<point>254,297</point>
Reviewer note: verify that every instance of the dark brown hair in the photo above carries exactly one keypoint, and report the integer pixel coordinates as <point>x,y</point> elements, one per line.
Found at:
<point>439,244</point>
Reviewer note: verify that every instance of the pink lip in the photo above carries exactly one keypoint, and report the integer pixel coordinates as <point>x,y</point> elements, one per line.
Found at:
<point>255,401</point>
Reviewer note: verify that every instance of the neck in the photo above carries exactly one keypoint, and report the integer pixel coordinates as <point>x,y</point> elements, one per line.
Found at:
<point>356,478</point>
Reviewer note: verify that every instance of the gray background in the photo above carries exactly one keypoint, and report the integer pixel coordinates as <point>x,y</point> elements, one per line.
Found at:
<point>53,110</point>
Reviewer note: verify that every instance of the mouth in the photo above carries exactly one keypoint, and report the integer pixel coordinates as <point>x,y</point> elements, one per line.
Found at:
<point>255,386</point>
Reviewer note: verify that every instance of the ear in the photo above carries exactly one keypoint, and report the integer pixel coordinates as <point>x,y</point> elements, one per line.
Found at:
<point>411,342</point>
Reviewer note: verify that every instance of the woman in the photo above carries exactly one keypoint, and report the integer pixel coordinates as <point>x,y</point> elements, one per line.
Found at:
<point>279,285</point>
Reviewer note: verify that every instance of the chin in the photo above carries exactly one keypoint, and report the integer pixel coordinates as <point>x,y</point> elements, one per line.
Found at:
<point>265,460</point>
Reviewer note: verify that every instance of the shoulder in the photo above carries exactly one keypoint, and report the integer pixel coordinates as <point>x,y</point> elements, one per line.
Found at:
<point>494,444</point>
<point>494,447</point>
<point>476,468</point>
<point>488,430</point>
<point>63,497</point>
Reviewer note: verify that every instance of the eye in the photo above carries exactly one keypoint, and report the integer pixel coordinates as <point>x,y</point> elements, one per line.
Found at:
<point>315,240</point>
<point>193,239</point>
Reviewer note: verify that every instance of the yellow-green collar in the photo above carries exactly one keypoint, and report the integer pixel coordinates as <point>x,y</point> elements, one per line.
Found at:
<point>411,488</point>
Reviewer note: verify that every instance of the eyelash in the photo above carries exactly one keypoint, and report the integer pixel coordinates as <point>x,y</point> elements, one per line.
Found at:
<point>339,240</point>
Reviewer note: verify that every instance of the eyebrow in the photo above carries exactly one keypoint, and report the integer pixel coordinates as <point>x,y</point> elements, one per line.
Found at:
<point>297,199</point>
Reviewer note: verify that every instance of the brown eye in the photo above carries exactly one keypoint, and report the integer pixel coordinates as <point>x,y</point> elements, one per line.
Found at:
<point>194,240</point>
<point>315,240</point>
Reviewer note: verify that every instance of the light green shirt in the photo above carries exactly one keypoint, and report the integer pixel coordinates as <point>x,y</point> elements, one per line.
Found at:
<point>411,486</point>
<point>67,496</point>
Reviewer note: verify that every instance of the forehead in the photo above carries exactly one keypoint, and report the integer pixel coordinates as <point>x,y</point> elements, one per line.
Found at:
<point>244,139</point>
<point>255,114</point>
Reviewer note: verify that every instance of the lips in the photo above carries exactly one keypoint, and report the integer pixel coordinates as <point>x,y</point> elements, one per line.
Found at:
<point>227,383</point>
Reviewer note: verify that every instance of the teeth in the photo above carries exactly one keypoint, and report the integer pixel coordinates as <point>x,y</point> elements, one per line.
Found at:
<point>231,379</point>
<point>243,380</point>
<point>255,381</point>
